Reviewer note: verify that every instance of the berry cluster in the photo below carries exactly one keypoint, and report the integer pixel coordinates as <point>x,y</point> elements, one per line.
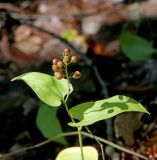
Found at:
<point>60,66</point>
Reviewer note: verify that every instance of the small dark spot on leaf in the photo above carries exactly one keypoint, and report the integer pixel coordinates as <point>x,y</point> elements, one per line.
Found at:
<point>120,97</point>
<point>110,111</point>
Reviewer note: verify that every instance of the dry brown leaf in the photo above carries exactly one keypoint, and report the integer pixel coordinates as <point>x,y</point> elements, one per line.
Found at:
<point>29,46</point>
<point>91,25</point>
<point>22,33</point>
<point>60,8</point>
<point>23,58</point>
<point>149,8</point>
<point>126,124</point>
<point>52,48</point>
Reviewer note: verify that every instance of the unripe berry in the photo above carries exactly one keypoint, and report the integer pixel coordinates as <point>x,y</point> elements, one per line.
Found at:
<point>66,52</point>
<point>55,68</point>
<point>74,59</point>
<point>76,75</point>
<point>60,64</point>
<point>58,75</point>
<point>54,61</point>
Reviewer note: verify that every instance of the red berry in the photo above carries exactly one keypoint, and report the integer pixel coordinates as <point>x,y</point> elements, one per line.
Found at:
<point>60,64</point>
<point>66,52</point>
<point>54,61</point>
<point>55,68</point>
<point>58,75</point>
<point>76,75</point>
<point>74,59</point>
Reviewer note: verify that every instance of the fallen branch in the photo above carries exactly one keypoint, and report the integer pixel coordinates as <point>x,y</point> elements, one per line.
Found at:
<point>73,134</point>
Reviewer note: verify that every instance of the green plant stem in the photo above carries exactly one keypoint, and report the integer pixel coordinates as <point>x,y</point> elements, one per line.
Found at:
<point>102,151</point>
<point>100,144</point>
<point>67,109</point>
<point>66,71</point>
<point>67,96</point>
<point>78,128</point>
<point>80,142</point>
<point>68,81</point>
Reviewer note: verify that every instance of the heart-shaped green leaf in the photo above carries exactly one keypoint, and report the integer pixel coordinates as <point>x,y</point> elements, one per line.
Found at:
<point>48,123</point>
<point>50,90</point>
<point>135,47</point>
<point>73,153</point>
<point>90,112</point>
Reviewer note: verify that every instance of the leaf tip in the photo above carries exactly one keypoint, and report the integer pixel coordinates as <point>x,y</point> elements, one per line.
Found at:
<point>15,78</point>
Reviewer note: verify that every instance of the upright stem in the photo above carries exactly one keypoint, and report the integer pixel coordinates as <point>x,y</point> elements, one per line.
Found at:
<point>78,128</point>
<point>67,109</point>
<point>80,142</point>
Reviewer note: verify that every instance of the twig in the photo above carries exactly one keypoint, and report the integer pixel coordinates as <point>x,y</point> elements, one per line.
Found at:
<point>100,144</point>
<point>73,134</point>
<point>116,146</point>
